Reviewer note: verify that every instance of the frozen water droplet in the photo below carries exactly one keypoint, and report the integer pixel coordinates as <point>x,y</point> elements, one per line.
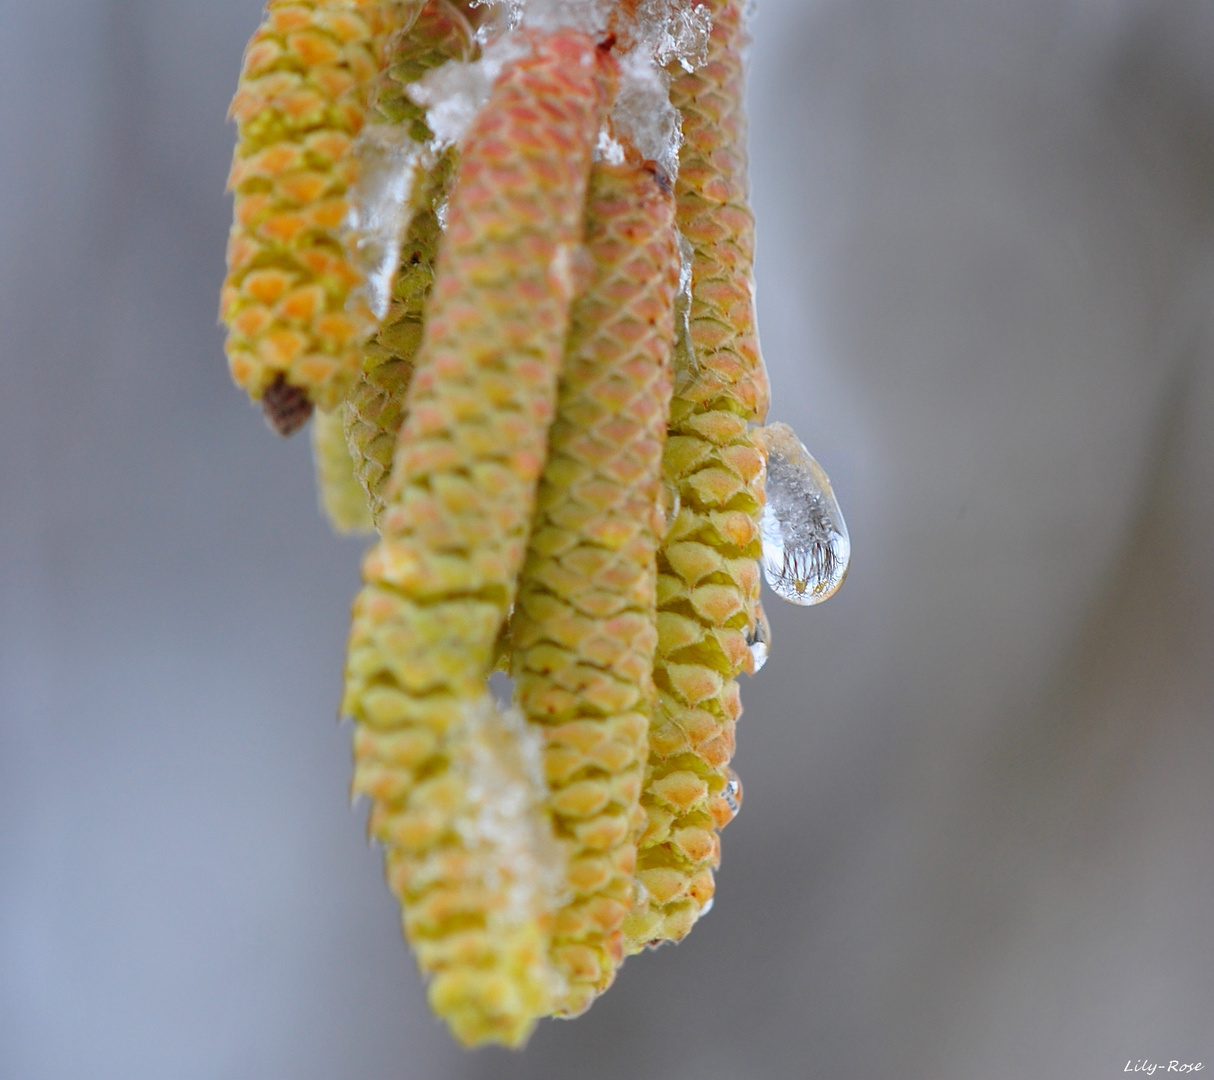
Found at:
<point>380,206</point>
<point>805,544</point>
<point>684,350</point>
<point>707,907</point>
<point>759,640</point>
<point>671,505</point>
<point>733,792</point>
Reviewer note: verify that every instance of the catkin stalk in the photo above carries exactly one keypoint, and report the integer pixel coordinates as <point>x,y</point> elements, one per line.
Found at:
<point>583,626</point>
<point>454,531</point>
<point>708,573</point>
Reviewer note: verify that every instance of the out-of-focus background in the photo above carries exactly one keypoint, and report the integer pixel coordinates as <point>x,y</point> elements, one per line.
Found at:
<point>978,839</point>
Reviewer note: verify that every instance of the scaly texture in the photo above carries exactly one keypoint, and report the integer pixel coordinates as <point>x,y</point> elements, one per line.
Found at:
<point>583,626</point>
<point>708,573</point>
<point>374,409</point>
<point>287,300</point>
<point>459,509</point>
<point>341,495</point>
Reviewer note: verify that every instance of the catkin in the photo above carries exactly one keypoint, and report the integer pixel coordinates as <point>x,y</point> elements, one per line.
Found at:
<point>708,574</point>
<point>341,495</point>
<point>374,409</point>
<point>583,625</point>
<point>458,511</point>
<point>290,299</point>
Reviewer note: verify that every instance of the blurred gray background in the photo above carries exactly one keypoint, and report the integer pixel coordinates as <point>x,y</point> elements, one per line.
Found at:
<point>978,839</point>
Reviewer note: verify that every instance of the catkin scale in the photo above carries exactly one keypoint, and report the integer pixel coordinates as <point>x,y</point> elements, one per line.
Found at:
<point>583,632</point>
<point>457,514</point>
<point>708,571</point>
<point>290,299</point>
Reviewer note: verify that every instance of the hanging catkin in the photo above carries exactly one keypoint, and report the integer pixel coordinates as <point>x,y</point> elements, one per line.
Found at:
<point>458,511</point>
<point>708,580</point>
<point>290,298</point>
<point>583,627</point>
<point>374,410</point>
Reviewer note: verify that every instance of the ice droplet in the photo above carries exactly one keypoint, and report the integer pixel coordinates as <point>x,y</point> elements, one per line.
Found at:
<point>733,792</point>
<point>684,349</point>
<point>380,206</point>
<point>759,640</point>
<point>806,548</point>
<point>672,503</point>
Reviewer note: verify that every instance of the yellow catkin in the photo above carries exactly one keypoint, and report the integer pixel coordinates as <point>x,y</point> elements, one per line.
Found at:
<point>583,625</point>
<point>374,409</point>
<point>341,495</point>
<point>708,574</point>
<point>459,508</point>
<point>290,299</point>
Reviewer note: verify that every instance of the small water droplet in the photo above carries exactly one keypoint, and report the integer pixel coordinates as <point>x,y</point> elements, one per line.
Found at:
<point>759,640</point>
<point>707,907</point>
<point>671,504</point>
<point>733,792</point>
<point>806,548</point>
<point>684,351</point>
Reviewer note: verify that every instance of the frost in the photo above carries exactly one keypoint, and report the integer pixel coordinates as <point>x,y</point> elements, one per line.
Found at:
<point>589,16</point>
<point>453,94</point>
<point>643,113</point>
<point>609,149</point>
<point>380,206</point>
<point>502,823</point>
<point>673,30</point>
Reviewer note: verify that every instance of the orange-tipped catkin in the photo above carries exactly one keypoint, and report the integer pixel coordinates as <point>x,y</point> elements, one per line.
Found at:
<point>708,573</point>
<point>459,507</point>
<point>583,626</point>
<point>287,300</point>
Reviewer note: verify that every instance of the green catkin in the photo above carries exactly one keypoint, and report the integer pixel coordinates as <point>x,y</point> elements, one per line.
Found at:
<point>708,572</point>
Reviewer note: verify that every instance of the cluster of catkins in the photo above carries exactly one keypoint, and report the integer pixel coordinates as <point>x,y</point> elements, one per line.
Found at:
<point>471,239</point>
